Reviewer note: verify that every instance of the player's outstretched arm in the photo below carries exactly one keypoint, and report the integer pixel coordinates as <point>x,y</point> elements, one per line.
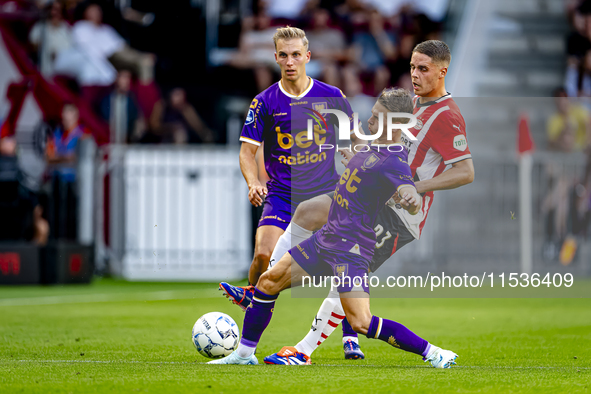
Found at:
<point>248,166</point>
<point>460,174</point>
<point>410,199</point>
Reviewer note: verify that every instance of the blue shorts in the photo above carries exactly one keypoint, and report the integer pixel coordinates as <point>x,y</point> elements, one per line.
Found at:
<point>320,262</point>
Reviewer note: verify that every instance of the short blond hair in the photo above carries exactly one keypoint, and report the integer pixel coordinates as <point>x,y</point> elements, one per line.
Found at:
<point>287,33</point>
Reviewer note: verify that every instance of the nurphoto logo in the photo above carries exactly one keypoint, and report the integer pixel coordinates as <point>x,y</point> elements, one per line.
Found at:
<point>345,129</point>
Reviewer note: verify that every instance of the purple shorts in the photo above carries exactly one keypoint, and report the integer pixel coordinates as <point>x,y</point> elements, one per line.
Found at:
<point>319,262</point>
<point>276,212</point>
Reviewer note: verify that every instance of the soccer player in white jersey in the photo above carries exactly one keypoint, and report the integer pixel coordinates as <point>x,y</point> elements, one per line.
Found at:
<point>441,143</point>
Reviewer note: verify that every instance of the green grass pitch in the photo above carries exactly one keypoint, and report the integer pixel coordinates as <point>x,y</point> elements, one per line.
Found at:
<point>115,336</point>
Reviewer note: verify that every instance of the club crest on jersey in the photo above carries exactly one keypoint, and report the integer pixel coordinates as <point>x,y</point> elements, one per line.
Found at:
<point>341,270</point>
<point>370,161</point>
<point>419,124</point>
<point>249,117</point>
<point>320,106</point>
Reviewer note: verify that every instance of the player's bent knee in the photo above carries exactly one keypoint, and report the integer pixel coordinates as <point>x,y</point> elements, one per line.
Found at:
<point>264,284</point>
<point>262,256</point>
<point>312,214</point>
<point>270,282</point>
<point>359,325</point>
<point>300,216</point>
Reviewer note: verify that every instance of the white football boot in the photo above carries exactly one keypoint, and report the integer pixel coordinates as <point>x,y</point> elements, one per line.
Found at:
<point>234,358</point>
<point>441,358</point>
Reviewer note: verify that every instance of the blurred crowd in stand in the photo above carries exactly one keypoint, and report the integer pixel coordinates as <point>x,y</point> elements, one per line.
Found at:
<point>133,71</point>
<point>104,84</point>
<point>142,71</point>
<point>72,44</point>
<point>567,205</point>
<point>569,128</point>
<point>360,46</point>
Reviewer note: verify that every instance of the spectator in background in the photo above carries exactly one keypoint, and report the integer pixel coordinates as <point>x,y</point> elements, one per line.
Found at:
<point>578,73</point>
<point>120,109</point>
<point>352,12</point>
<point>328,47</point>
<point>50,36</point>
<point>411,28</point>
<point>566,209</point>
<point>578,43</point>
<point>256,50</point>
<point>62,143</point>
<point>372,47</point>
<point>70,7</point>
<point>176,121</point>
<point>568,128</point>
<point>100,41</point>
<point>19,207</point>
<point>578,77</point>
<point>286,10</point>
<point>62,155</point>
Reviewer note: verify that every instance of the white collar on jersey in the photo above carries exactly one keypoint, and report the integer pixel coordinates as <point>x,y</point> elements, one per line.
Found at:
<point>302,94</point>
<point>428,103</point>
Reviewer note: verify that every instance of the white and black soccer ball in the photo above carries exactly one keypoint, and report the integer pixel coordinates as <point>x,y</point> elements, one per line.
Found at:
<point>215,335</point>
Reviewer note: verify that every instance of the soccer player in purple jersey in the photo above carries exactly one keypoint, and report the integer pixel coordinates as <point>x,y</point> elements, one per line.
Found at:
<point>436,130</point>
<point>344,247</point>
<point>279,117</point>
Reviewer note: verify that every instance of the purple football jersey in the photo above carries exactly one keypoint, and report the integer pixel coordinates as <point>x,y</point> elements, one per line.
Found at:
<point>368,182</point>
<point>297,168</point>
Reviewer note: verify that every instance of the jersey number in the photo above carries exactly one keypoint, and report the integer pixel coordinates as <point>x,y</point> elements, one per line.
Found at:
<point>379,230</point>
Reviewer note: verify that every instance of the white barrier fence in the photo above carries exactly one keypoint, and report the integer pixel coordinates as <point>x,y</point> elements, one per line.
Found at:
<point>183,214</point>
<point>175,214</point>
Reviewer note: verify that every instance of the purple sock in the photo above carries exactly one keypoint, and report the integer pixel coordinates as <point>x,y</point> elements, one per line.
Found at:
<point>347,329</point>
<point>257,317</point>
<point>397,335</point>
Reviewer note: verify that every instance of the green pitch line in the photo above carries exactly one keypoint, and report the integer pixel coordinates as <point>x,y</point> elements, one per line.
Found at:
<point>115,336</point>
<point>352,365</point>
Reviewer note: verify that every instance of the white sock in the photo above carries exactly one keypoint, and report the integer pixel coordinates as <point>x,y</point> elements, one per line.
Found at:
<point>329,316</point>
<point>293,235</point>
<point>245,351</point>
<point>354,339</point>
<point>431,349</point>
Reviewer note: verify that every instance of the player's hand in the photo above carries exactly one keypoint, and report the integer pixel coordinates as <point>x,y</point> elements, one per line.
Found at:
<point>394,200</point>
<point>410,202</point>
<point>257,193</point>
<point>347,154</point>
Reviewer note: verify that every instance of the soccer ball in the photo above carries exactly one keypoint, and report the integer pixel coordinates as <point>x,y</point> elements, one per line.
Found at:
<point>215,335</point>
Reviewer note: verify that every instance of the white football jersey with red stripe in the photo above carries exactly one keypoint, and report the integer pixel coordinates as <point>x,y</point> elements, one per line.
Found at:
<point>441,142</point>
